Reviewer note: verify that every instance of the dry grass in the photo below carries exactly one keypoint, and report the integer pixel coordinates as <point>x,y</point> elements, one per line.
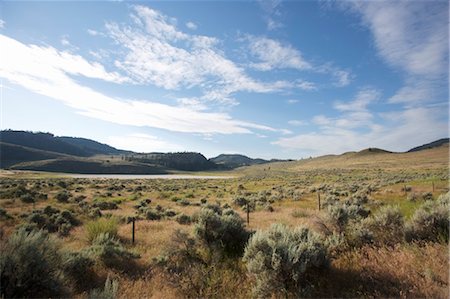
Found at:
<point>412,271</point>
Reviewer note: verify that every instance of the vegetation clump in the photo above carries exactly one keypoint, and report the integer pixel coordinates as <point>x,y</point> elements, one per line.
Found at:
<point>284,260</point>
<point>52,220</point>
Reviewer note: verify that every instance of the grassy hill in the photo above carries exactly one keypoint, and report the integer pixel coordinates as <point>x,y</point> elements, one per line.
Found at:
<point>236,160</point>
<point>11,154</point>
<point>90,166</point>
<point>437,157</point>
<point>433,144</point>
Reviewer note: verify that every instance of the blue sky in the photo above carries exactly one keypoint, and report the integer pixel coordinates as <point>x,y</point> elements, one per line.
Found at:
<point>270,79</point>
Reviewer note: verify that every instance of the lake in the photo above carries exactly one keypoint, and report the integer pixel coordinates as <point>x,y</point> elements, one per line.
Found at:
<point>148,176</point>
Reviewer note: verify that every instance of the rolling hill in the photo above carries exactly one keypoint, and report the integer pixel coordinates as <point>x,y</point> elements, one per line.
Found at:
<point>236,160</point>
<point>433,144</point>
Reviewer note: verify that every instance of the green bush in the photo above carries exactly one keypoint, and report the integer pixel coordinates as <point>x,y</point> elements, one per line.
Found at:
<point>63,196</point>
<point>109,291</point>
<point>284,260</point>
<point>387,225</point>
<point>30,266</point>
<point>77,267</point>
<point>430,222</point>
<point>222,233</point>
<point>101,226</point>
<point>341,214</point>
<point>51,220</point>
<point>108,250</point>
<point>183,219</point>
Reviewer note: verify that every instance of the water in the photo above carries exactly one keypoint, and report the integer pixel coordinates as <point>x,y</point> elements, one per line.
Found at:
<point>148,176</point>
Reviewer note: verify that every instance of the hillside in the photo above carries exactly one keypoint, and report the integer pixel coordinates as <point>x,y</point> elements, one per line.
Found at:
<point>90,166</point>
<point>93,147</point>
<point>80,147</point>
<point>433,144</point>
<point>236,160</point>
<point>11,154</point>
<point>437,157</point>
<point>186,161</point>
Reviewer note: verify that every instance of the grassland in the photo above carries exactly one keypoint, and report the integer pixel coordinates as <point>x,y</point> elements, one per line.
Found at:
<point>285,192</point>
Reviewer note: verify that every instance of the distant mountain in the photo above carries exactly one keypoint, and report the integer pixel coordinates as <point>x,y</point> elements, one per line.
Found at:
<point>430,145</point>
<point>80,147</point>
<point>187,161</point>
<point>236,160</point>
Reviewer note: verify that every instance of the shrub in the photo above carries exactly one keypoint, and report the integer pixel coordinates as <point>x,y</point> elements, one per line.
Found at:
<point>427,196</point>
<point>182,265</point>
<point>183,219</point>
<point>430,222</point>
<point>109,291</point>
<point>62,196</point>
<point>105,205</point>
<point>101,226</point>
<point>225,233</point>
<point>77,267</point>
<point>29,266</point>
<point>27,198</point>
<point>341,214</point>
<point>52,220</point>
<point>152,214</point>
<point>4,215</point>
<point>284,260</point>
<point>110,251</point>
<point>386,226</point>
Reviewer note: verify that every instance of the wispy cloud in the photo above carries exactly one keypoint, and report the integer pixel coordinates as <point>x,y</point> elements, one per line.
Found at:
<point>296,122</point>
<point>47,71</point>
<point>356,128</point>
<point>272,54</point>
<point>191,25</point>
<point>2,24</point>
<point>410,36</point>
<point>140,142</point>
<point>272,13</point>
<point>158,53</point>
<point>412,126</point>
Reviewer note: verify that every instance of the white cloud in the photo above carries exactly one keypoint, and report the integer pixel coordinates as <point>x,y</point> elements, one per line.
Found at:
<point>356,128</point>
<point>142,143</point>
<point>45,71</point>
<point>362,100</point>
<point>191,25</point>
<point>412,35</point>
<point>296,122</point>
<point>158,53</point>
<point>93,32</point>
<point>305,85</point>
<point>272,13</point>
<point>292,101</point>
<point>417,93</point>
<point>65,41</point>
<point>2,24</point>
<point>413,126</point>
<point>272,54</point>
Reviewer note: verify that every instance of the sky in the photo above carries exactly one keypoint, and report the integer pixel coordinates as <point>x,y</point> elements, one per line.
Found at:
<point>268,79</point>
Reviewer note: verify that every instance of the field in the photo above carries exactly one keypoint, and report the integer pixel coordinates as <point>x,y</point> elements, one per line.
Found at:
<point>367,221</point>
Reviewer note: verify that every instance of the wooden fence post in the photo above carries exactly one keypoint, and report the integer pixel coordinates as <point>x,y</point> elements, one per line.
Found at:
<point>318,197</point>
<point>433,185</point>
<point>132,233</point>
<point>248,214</point>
